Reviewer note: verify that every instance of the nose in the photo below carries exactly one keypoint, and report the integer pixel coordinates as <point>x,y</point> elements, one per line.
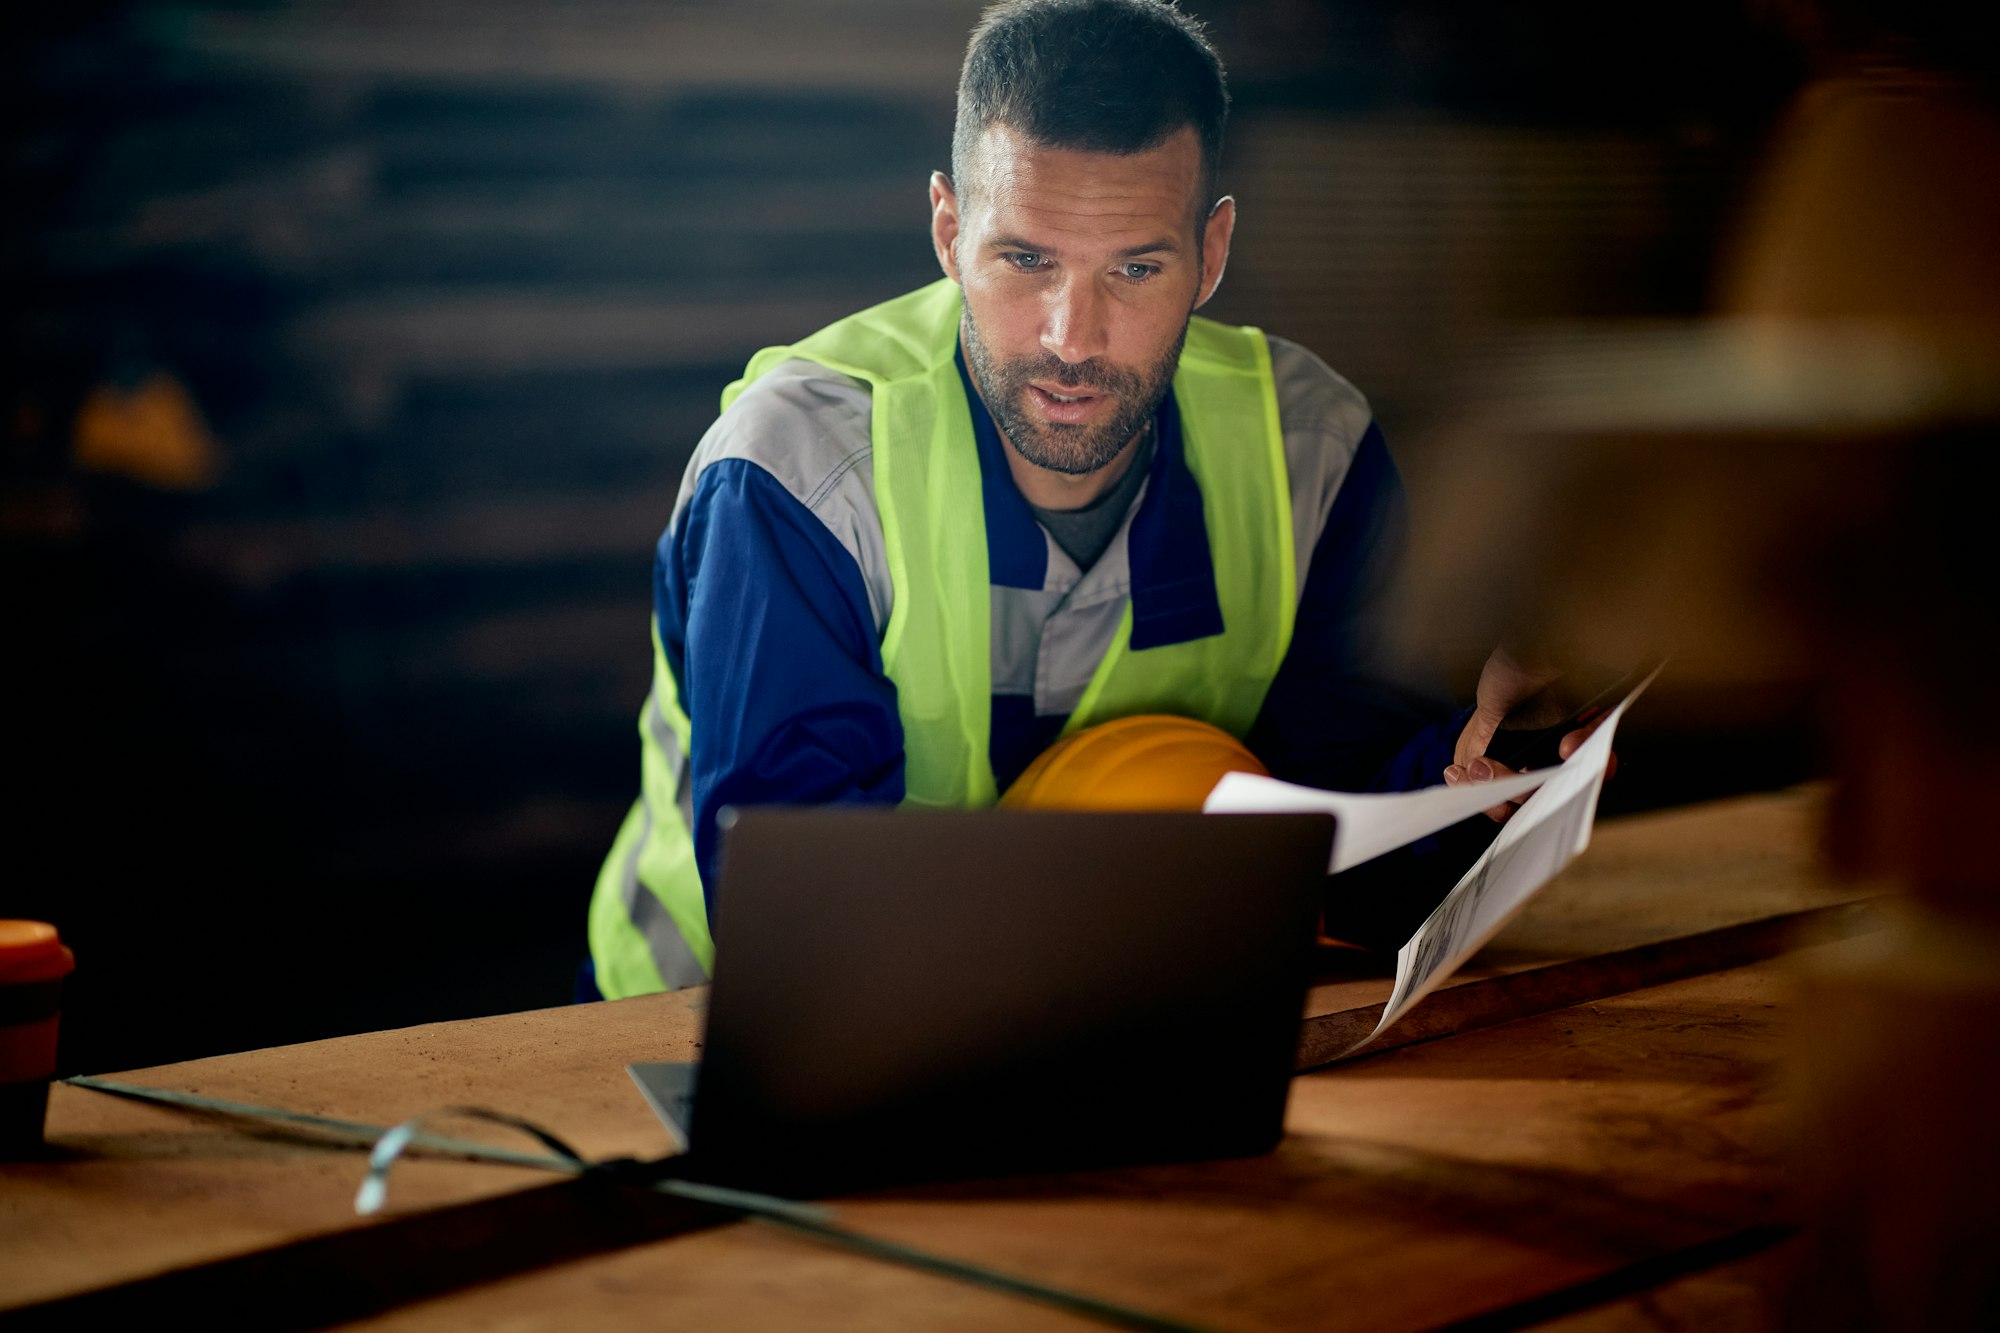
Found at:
<point>1074,324</point>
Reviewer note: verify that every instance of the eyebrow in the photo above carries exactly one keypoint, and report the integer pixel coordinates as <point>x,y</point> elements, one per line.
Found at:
<point>1015,243</point>
<point>1165,245</point>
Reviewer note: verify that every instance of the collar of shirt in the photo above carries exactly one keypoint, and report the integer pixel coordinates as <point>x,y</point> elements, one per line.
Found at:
<point>1173,573</point>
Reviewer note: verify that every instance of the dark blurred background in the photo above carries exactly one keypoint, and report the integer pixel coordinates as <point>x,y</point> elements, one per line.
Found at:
<point>353,353</point>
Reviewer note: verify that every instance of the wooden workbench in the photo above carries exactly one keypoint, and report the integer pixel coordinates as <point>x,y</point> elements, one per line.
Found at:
<point>1418,1186</point>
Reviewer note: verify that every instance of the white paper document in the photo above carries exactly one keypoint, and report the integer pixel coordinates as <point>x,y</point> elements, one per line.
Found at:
<point>1548,832</point>
<point>1370,823</point>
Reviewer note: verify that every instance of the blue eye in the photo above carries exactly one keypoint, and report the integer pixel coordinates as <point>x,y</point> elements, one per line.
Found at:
<point>1029,262</point>
<point>1137,272</point>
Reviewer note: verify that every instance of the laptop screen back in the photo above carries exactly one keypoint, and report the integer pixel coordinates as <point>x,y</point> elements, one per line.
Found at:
<point>907,995</point>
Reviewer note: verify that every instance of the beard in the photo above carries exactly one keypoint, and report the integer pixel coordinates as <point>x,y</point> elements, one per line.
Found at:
<point>1079,449</point>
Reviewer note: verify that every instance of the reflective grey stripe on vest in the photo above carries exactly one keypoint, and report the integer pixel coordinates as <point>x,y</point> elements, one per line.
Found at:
<point>677,964</point>
<point>809,428</point>
<point>662,735</point>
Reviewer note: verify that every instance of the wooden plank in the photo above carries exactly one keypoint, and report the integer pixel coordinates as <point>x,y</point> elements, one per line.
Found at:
<point>1746,1296</point>
<point>1677,872</point>
<point>1645,878</point>
<point>355,1271</point>
<point>1635,1281</point>
<point>1484,1001</point>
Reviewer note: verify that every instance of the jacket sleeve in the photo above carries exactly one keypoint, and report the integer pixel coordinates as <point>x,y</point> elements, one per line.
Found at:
<point>1340,715</point>
<point>765,623</point>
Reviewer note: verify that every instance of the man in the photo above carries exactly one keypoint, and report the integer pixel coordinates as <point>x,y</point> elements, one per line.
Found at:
<point>921,544</point>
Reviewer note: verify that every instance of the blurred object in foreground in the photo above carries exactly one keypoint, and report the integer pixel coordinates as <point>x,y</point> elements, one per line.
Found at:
<point>1898,1090</point>
<point>1880,203</point>
<point>1884,204</point>
<point>1717,487</point>
<point>1794,496</point>
<point>1686,487</point>
<point>150,431</point>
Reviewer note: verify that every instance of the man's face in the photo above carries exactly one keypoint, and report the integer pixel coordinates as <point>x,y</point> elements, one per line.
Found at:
<point>1079,270</point>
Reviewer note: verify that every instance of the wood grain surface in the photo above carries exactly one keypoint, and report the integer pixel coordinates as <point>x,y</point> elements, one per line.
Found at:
<point>131,1190</point>
<point>1416,1187</point>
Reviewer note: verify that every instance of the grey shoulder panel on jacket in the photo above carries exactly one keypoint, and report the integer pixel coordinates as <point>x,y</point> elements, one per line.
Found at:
<point>1323,418</point>
<point>808,427</point>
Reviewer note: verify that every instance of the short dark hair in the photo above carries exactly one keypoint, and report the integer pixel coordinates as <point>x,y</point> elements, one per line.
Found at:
<point>1103,76</point>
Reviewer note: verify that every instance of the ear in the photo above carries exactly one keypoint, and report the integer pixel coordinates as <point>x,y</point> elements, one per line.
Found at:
<point>1215,234</point>
<point>944,224</point>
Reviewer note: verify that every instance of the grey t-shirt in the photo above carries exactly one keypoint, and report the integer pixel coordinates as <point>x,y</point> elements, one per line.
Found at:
<point>1084,533</point>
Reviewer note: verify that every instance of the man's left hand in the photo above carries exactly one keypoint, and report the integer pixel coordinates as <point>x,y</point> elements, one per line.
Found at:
<point>1482,769</point>
<point>1504,682</point>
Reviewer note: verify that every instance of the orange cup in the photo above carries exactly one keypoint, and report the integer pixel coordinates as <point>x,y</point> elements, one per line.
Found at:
<point>33,963</point>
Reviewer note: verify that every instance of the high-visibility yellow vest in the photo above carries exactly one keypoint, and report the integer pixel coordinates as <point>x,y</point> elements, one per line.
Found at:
<point>935,647</point>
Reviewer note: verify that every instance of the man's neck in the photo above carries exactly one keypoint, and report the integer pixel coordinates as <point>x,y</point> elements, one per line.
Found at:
<point>1045,489</point>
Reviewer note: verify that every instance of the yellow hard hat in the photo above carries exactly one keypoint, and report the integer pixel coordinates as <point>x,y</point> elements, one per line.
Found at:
<point>1150,762</point>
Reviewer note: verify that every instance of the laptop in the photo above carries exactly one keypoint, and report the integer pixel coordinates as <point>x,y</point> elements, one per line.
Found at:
<point>918,995</point>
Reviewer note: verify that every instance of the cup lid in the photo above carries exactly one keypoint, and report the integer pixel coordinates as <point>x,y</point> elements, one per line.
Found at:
<point>32,951</point>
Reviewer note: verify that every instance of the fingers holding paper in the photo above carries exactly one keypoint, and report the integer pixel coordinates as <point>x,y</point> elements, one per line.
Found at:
<point>1505,681</point>
<point>1483,768</point>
